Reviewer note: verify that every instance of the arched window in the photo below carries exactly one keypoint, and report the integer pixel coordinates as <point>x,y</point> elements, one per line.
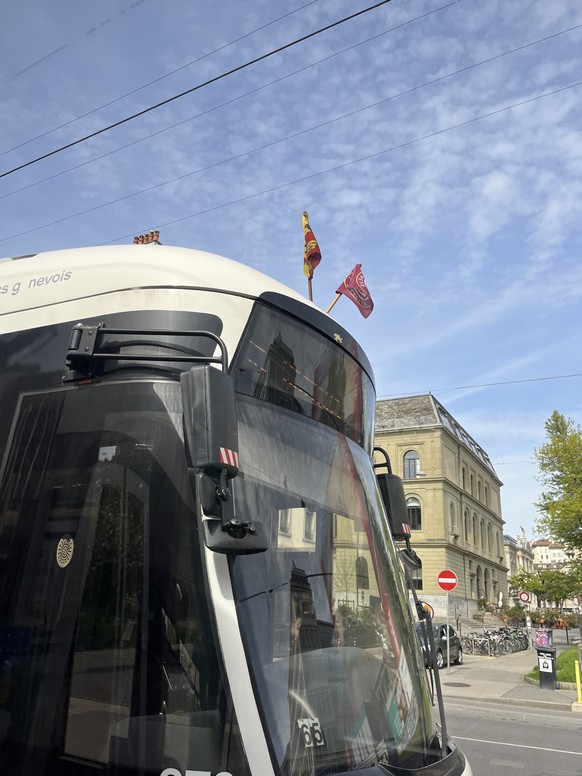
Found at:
<point>472,481</point>
<point>411,464</point>
<point>482,532</point>
<point>479,489</point>
<point>454,528</point>
<point>466,521</point>
<point>414,512</point>
<point>464,478</point>
<point>362,578</point>
<point>479,582</point>
<point>474,528</point>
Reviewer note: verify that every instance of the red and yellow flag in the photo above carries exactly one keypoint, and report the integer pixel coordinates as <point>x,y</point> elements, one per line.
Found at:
<point>354,287</point>
<point>311,253</point>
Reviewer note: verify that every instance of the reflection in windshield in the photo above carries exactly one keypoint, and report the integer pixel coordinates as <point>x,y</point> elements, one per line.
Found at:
<point>106,647</point>
<point>322,612</point>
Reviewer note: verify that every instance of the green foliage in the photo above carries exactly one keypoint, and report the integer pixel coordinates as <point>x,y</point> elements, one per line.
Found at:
<point>560,473</point>
<point>515,617</point>
<point>565,670</point>
<point>360,627</point>
<point>550,585</point>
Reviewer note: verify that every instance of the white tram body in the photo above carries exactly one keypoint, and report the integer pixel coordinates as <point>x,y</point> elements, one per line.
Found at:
<point>196,576</point>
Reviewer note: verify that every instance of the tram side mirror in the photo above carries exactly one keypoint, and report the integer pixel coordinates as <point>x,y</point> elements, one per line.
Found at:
<point>392,492</point>
<point>210,419</point>
<point>211,433</point>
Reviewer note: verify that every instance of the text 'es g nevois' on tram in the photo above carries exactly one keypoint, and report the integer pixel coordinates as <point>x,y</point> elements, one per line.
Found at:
<point>197,577</point>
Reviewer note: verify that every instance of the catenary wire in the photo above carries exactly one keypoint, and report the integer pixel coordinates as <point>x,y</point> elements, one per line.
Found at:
<point>290,183</point>
<point>352,162</point>
<point>192,89</point>
<point>276,81</point>
<point>119,12</point>
<point>151,83</point>
<point>482,385</point>
<point>255,91</point>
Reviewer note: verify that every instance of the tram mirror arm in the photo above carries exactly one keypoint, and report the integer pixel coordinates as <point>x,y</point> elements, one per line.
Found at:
<point>211,437</point>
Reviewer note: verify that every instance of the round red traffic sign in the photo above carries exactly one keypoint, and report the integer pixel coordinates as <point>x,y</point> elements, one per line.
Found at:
<point>524,597</point>
<point>447,580</point>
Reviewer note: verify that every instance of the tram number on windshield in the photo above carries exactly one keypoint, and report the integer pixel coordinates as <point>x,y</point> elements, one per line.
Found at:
<point>176,772</point>
<point>311,731</point>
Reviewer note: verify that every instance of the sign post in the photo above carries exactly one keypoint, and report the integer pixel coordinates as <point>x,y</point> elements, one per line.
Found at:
<point>447,581</point>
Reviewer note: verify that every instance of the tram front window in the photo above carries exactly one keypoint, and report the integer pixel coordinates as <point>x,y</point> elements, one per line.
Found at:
<point>323,612</point>
<point>107,655</point>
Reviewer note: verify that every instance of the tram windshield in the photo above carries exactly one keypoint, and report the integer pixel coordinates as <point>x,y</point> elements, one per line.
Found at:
<point>323,611</point>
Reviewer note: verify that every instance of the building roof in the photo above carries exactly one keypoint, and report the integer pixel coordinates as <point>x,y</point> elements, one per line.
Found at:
<point>424,411</point>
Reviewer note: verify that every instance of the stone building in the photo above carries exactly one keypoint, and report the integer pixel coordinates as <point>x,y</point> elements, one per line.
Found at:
<point>452,497</point>
<point>550,555</point>
<point>519,554</point>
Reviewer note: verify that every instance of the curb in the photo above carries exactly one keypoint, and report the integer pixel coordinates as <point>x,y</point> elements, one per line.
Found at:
<point>559,685</point>
<point>513,702</point>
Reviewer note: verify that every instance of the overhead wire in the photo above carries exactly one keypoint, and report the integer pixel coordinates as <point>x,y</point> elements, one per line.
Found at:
<point>305,131</point>
<point>155,80</point>
<point>352,162</point>
<point>482,385</point>
<point>259,89</point>
<point>192,89</point>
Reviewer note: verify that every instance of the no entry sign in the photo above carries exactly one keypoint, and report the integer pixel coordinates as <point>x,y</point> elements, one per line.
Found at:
<point>447,580</point>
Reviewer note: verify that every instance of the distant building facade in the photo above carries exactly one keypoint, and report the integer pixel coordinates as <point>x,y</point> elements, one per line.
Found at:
<point>549,554</point>
<point>452,497</point>
<point>519,555</point>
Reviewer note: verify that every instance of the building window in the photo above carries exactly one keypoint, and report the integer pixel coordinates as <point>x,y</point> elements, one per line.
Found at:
<point>362,578</point>
<point>472,484</point>
<point>411,464</point>
<point>285,522</point>
<point>474,528</point>
<point>479,489</point>
<point>416,576</point>
<point>414,512</point>
<point>464,478</point>
<point>466,521</point>
<point>309,526</point>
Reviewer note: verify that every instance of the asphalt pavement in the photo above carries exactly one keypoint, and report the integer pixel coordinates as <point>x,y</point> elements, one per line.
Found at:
<point>502,679</point>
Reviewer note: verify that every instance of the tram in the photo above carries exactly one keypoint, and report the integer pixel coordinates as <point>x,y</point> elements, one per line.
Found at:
<point>196,573</point>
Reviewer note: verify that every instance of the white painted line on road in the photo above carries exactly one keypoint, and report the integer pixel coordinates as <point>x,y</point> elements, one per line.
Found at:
<point>518,746</point>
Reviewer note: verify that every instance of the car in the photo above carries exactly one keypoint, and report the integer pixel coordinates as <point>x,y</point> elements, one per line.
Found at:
<point>439,631</point>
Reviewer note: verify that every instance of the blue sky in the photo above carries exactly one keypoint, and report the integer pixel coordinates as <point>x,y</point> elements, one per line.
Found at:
<point>436,143</point>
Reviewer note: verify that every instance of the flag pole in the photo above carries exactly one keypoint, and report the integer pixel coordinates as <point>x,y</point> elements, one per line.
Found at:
<point>309,289</point>
<point>334,302</point>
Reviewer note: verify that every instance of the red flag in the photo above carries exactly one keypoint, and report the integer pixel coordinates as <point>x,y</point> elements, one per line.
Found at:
<point>354,287</point>
<point>311,253</point>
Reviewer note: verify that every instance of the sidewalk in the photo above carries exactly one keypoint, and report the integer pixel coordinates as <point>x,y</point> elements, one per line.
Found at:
<point>501,680</point>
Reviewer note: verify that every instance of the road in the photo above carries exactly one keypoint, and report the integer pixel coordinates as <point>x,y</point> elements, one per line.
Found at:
<point>503,740</point>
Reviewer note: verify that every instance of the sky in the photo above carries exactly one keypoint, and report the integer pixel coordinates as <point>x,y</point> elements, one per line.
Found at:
<point>435,143</point>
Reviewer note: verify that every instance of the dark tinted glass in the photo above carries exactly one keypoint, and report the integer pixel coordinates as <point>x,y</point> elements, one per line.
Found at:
<point>107,655</point>
<point>287,364</point>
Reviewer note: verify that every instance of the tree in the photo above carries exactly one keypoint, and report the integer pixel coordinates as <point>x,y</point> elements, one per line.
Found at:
<point>552,586</point>
<point>560,465</point>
